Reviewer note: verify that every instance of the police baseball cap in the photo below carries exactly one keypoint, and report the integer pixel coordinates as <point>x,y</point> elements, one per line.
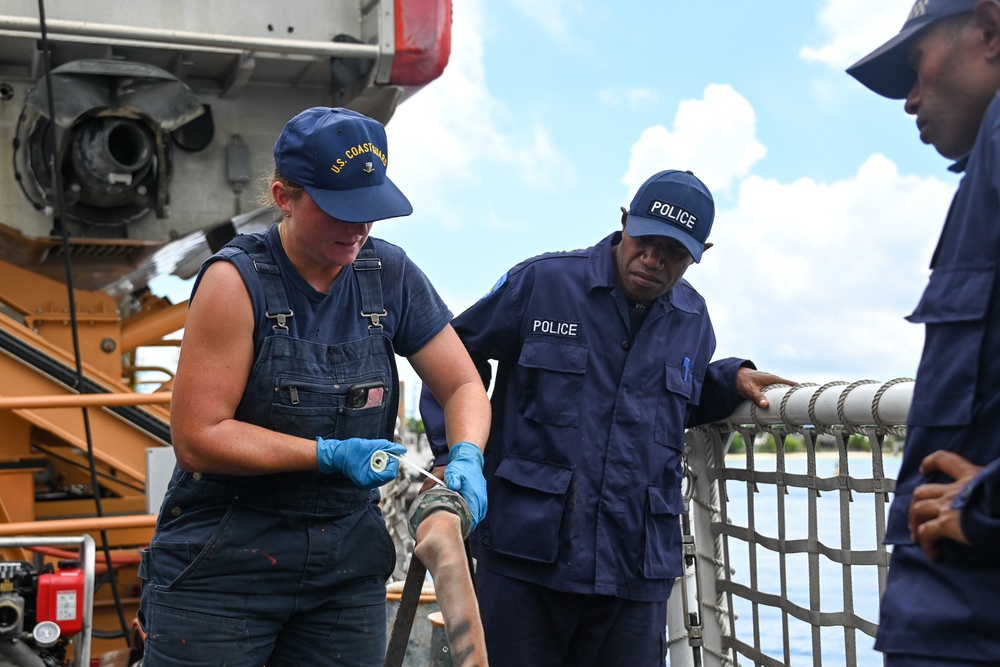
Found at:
<point>887,70</point>
<point>674,204</point>
<point>339,157</point>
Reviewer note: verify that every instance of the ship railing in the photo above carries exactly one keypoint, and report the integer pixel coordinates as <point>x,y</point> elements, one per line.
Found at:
<point>784,555</point>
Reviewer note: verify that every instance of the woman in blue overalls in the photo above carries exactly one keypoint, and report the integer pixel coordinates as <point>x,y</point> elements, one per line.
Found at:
<point>270,547</point>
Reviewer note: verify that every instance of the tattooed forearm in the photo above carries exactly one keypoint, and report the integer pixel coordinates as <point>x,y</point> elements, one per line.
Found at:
<point>441,549</point>
<point>460,642</point>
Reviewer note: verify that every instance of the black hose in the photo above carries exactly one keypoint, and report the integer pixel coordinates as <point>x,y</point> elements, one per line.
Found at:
<point>60,228</point>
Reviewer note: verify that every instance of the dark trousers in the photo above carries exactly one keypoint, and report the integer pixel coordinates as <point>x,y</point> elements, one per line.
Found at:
<point>528,625</point>
<point>243,581</point>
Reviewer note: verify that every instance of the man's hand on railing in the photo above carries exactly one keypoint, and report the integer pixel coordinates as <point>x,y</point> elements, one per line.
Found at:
<point>750,384</point>
<point>932,514</point>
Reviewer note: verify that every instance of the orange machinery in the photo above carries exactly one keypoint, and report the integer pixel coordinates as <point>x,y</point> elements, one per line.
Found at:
<point>134,133</point>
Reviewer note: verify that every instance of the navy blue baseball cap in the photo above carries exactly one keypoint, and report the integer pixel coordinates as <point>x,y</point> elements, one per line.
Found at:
<point>887,70</point>
<point>675,204</point>
<point>339,156</point>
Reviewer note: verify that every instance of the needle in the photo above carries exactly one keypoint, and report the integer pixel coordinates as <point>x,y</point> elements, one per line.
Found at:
<point>379,460</point>
<point>416,467</point>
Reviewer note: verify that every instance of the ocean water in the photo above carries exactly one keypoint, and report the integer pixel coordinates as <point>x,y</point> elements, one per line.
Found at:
<point>834,531</point>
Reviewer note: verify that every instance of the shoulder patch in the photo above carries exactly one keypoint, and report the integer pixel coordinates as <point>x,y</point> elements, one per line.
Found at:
<point>498,284</point>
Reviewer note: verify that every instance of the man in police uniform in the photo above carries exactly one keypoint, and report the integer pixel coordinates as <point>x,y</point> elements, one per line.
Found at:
<point>603,361</point>
<point>941,606</point>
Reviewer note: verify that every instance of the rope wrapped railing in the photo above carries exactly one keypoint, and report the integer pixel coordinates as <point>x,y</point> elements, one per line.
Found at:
<point>823,407</point>
<point>772,529</point>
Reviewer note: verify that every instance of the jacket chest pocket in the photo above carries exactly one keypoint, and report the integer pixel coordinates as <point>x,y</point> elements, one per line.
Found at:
<point>953,308</point>
<point>551,381</point>
<point>682,389</point>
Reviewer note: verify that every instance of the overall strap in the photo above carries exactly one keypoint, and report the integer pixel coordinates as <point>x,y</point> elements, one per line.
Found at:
<point>368,267</point>
<point>275,300</point>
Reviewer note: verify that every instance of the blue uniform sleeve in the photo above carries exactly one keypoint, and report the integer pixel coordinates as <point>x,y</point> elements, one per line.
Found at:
<point>719,397</point>
<point>490,330</point>
<point>980,505</point>
<point>432,415</point>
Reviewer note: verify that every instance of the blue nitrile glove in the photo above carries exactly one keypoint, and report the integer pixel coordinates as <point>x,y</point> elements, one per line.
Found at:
<point>353,459</point>
<point>464,473</point>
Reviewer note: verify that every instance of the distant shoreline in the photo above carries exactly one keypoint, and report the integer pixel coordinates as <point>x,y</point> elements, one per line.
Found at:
<point>819,455</point>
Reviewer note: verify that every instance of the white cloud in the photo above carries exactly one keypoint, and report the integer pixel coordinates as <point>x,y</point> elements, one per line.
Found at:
<point>454,140</point>
<point>809,279</point>
<point>715,137</point>
<point>815,278</point>
<point>453,132</point>
<point>812,280</point>
<point>854,28</point>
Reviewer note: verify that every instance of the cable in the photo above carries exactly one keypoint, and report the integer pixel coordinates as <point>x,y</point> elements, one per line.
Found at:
<point>60,228</point>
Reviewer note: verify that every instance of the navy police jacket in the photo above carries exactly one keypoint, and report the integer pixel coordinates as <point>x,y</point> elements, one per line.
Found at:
<point>949,607</point>
<point>583,464</point>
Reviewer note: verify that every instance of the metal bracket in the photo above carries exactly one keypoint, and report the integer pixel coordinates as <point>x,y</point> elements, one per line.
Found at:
<point>374,318</point>
<point>282,319</point>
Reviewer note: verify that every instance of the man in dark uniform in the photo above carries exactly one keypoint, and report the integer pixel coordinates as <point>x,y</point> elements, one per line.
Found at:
<point>941,606</point>
<point>603,361</point>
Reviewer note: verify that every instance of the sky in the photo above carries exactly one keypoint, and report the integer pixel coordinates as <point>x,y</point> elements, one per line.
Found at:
<point>549,115</point>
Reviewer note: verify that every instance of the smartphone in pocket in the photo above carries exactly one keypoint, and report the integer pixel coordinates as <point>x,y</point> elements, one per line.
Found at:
<point>365,395</point>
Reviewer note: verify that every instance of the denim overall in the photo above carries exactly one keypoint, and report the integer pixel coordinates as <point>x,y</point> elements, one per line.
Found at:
<point>288,568</point>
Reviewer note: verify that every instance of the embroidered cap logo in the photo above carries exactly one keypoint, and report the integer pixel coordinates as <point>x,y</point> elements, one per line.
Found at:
<point>919,9</point>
